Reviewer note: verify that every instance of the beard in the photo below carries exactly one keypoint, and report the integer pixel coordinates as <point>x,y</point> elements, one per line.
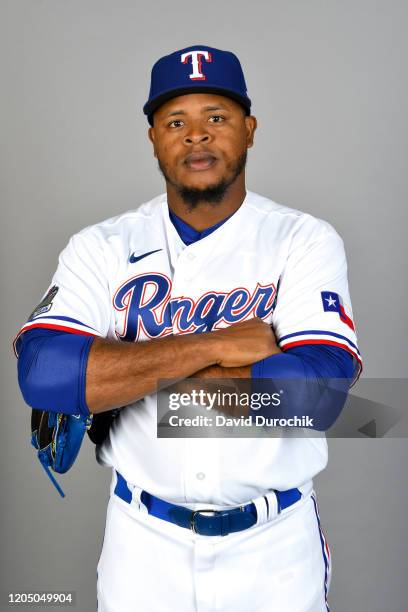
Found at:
<point>212,194</point>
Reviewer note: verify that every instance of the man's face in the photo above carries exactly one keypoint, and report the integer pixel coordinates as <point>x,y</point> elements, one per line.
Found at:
<point>200,141</point>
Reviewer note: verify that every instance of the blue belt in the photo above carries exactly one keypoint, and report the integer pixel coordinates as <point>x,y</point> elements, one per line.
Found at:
<point>204,521</point>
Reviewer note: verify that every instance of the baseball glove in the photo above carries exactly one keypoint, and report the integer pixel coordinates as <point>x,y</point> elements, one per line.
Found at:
<point>57,437</point>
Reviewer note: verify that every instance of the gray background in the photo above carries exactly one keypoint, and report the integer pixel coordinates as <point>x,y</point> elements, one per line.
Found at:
<point>328,83</point>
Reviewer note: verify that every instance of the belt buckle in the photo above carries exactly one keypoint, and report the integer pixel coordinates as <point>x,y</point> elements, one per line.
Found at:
<point>203,511</point>
<point>206,511</point>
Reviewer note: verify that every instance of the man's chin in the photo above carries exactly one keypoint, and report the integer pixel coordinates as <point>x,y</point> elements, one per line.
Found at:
<point>201,180</point>
<point>200,186</point>
<point>203,189</point>
<point>210,194</point>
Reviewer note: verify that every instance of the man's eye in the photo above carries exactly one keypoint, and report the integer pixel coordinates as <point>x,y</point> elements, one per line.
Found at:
<point>175,123</point>
<point>216,119</point>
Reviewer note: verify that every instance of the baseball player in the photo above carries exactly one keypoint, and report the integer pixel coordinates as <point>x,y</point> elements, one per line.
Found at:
<point>186,285</point>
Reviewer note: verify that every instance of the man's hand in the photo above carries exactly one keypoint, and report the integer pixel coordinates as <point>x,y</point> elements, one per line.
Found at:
<point>263,333</point>
<point>244,343</point>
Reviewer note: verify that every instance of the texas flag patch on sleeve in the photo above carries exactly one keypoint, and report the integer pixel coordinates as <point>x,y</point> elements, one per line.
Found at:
<point>332,302</point>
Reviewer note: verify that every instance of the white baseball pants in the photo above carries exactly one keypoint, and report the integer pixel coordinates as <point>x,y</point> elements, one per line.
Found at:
<point>150,565</point>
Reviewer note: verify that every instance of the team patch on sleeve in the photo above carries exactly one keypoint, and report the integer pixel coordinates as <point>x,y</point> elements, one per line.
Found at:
<point>332,302</point>
<point>45,304</point>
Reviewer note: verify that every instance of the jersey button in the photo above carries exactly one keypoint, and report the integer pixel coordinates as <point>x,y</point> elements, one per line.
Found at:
<point>190,256</point>
<point>200,475</point>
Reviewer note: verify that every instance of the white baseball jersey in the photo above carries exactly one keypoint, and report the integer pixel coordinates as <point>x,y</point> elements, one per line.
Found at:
<point>133,279</point>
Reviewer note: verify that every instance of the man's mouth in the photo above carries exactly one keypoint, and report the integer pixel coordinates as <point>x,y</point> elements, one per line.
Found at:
<point>200,161</point>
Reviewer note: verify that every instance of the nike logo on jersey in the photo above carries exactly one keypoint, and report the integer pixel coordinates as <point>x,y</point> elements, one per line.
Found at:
<point>134,258</point>
<point>150,310</point>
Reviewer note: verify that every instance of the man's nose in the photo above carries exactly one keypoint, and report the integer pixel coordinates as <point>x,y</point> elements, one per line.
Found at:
<point>197,135</point>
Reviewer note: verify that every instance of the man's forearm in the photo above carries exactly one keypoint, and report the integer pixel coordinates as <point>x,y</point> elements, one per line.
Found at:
<point>217,371</point>
<point>120,373</point>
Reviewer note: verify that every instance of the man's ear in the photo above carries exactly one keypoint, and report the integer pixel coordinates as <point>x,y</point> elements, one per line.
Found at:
<point>250,124</point>
<point>151,135</point>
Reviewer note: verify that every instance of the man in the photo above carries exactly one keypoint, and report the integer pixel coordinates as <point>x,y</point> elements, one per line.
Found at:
<point>185,286</point>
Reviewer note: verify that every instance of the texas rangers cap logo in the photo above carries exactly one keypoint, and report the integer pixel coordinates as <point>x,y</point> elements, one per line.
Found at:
<point>196,61</point>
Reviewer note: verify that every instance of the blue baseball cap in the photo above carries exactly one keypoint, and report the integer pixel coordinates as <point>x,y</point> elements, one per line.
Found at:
<point>196,69</point>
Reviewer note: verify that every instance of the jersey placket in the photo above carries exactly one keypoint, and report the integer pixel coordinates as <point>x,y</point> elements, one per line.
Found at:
<point>200,465</point>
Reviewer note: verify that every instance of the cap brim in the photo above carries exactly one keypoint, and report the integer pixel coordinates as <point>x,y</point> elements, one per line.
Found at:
<point>151,107</point>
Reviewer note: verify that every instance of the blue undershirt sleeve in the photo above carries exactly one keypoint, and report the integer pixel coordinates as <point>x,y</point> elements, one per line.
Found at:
<point>52,369</point>
<point>317,379</point>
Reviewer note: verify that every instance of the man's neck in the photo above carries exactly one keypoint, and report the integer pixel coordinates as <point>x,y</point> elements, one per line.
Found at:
<point>207,214</point>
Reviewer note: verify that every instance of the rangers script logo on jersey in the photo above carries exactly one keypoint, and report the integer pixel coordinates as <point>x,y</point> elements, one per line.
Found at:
<point>147,302</point>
